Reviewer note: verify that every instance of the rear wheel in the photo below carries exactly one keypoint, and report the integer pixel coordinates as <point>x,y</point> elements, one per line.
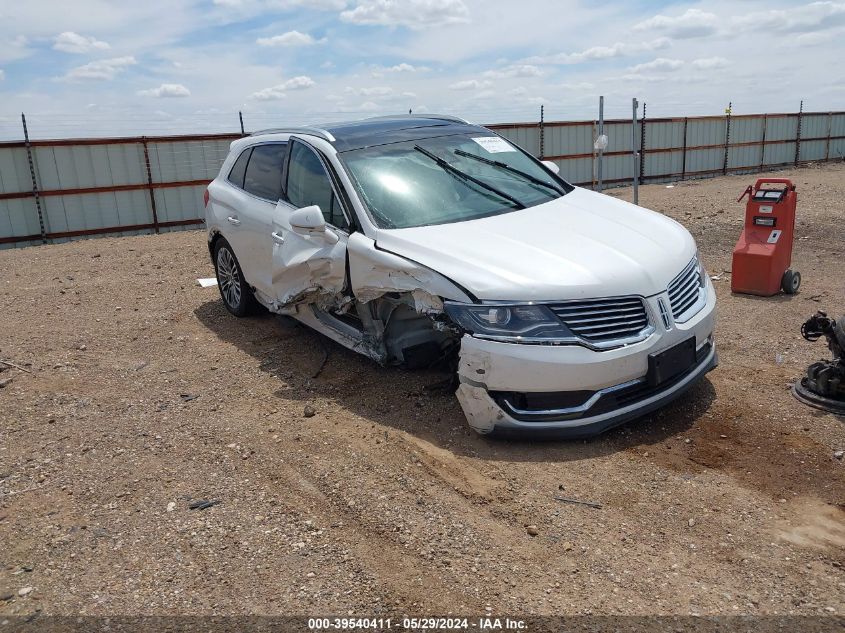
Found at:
<point>791,281</point>
<point>236,294</point>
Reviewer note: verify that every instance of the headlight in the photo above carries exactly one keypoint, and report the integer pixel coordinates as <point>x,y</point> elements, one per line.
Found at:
<point>508,321</point>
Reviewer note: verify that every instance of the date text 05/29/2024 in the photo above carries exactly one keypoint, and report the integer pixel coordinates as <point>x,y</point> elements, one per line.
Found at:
<point>376,624</point>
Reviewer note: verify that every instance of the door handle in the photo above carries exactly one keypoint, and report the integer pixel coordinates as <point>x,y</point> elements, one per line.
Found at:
<point>279,239</point>
<point>233,220</point>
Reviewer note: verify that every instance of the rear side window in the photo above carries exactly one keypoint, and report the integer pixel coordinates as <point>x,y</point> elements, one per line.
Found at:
<point>263,176</point>
<point>236,176</point>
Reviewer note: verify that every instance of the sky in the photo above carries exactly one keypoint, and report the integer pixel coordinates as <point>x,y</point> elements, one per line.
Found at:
<point>121,67</point>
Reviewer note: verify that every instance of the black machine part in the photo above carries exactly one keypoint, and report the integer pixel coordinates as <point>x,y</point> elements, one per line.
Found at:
<point>824,385</point>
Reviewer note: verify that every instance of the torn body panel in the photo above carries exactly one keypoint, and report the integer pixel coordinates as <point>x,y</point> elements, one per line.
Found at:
<point>374,273</point>
<point>307,269</point>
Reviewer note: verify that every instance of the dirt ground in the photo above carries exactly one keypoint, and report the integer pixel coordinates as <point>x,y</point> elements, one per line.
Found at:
<point>146,395</point>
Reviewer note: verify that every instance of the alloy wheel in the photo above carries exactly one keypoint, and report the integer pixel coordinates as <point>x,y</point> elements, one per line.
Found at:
<point>229,277</point>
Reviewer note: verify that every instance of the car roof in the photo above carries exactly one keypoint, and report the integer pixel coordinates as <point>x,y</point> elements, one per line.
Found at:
<point>350,135</point>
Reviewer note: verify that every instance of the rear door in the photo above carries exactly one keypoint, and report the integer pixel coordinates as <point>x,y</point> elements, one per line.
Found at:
<point>305,266</point>
<point>252,219</point>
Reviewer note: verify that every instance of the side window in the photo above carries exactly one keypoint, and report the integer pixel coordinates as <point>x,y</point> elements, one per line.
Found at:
<point>264,172</point>
<point>309,184</point>
<point>236,176</point>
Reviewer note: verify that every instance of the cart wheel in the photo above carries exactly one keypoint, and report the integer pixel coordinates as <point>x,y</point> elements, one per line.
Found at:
<point>791,281</point>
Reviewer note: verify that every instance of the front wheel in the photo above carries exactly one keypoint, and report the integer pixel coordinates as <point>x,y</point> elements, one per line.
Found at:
<point>791,281</point>
<point>236,294</point>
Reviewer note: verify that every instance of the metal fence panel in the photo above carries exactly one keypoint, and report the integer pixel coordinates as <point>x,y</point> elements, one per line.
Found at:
<point>837,125</point>
<point>813,150</point>
<point>779,154</point>
<point>743,156</point>
<point>746,129</point>
<point>561,140</point>
<point>14,170</point>
<point>19,218</point>
<point>702,162</point>
<point>705,131</point>
<point>663,165</point>
<point>814,125</point>
<point>179,203</point>
<point>527,137</point>
<point>664,134</point>
<point>577,170</point>
<point>837,149</point>
<point>781,127</point>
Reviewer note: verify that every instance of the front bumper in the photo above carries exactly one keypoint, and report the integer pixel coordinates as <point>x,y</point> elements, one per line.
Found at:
<point>572,391</point>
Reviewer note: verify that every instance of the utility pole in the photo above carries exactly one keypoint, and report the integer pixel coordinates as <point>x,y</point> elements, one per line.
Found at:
<point>241,117</point>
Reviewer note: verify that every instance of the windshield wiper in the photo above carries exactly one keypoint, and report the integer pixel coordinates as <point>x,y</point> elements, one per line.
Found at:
<point>446,166</point>
<point>513,170</point>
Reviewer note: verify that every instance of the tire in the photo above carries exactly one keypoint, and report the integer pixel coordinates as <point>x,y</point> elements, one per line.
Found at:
<point>791,281</point>
<point>236,294</point>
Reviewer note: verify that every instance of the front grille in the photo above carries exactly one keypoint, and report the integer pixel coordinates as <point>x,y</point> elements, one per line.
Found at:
<point>602,320</point>
<point>685,289</point>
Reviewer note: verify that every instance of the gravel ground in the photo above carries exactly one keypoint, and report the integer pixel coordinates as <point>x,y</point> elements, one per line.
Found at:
<point>145,396</point>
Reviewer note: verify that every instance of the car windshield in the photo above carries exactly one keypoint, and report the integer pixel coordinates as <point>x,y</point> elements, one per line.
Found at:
<point>448,179</point>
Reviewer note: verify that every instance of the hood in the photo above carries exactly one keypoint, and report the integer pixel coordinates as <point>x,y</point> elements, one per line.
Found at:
<point>580,246</point>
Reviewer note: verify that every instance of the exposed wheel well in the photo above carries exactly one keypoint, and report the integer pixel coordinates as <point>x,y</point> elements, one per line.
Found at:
<point>212,243</point>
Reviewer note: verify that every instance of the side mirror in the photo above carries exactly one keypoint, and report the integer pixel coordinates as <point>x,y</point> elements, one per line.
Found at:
<point>552,167</point>
<point>308,220</point>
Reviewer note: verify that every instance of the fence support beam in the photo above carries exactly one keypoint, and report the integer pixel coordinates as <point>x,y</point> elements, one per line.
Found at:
<point>798,134</point>
<point>727,137</point>
<point>35,193</point>
<point>150,183</point>
<point>542,132</point>
<point>827,144</point>
<point>684,153</point>
<point>642,144</point>
<point>601,151</point>
<point>635,155</point>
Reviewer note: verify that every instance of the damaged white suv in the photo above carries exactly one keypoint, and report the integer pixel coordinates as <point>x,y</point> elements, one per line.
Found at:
<point>413,239</point>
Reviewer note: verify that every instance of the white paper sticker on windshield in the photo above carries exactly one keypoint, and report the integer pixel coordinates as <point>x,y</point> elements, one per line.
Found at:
<point>494,144</point>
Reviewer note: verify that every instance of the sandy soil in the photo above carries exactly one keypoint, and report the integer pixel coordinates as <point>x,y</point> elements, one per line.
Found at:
<point>146,395</point>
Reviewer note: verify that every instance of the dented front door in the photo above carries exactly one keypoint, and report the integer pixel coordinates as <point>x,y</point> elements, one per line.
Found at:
<point>310,267</point>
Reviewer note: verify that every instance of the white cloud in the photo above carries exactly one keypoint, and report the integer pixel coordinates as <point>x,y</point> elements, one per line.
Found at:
<point>166,90</point>
<point>103,69</point>
<point>518,70</point>
<point>691,23</point>
<point>595,53</point>
<point>275,93</point>
<point>258,6</point>
<point>709,63</point>
<point>291,38</point>
<point>405,68</point>
<point>414,14</point>
<point>471,84</point>
<point>661,64</point>
<point>70,42</point>
<point>816,16</point>
<point>2,74</point>
<point>378,91</point>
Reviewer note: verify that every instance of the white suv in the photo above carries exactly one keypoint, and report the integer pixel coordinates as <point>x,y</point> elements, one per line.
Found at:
<point>415,239</point>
